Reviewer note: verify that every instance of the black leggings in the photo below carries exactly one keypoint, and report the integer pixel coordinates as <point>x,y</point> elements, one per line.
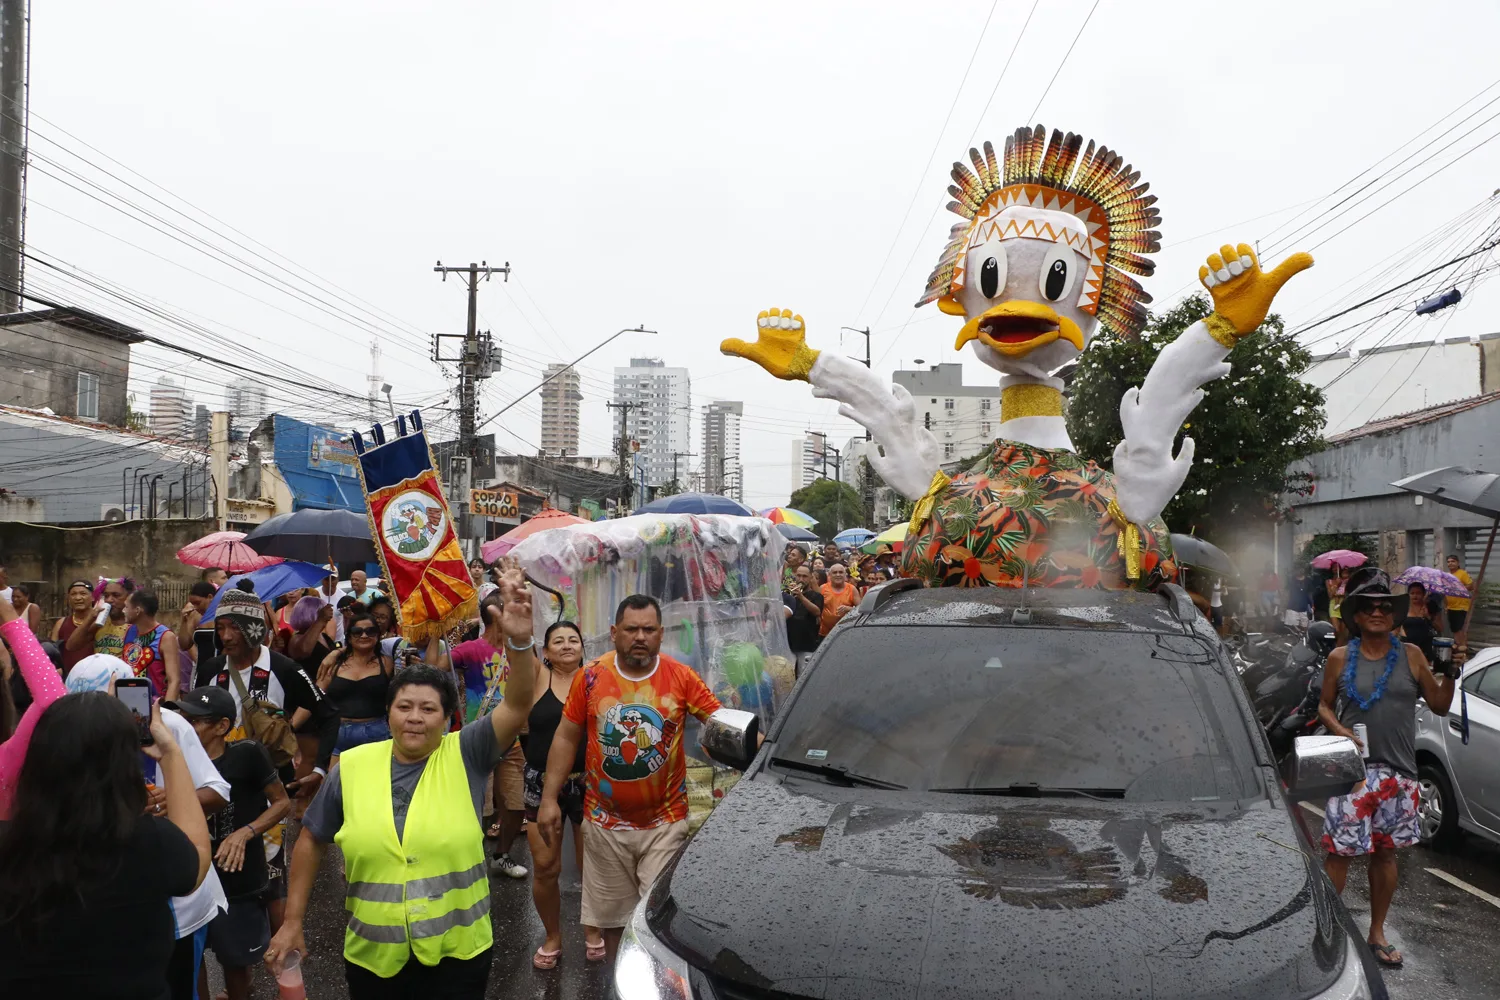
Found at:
<point>450,979</point>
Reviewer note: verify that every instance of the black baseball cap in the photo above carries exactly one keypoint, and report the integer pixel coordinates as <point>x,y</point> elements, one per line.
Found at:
<point>207,702</point>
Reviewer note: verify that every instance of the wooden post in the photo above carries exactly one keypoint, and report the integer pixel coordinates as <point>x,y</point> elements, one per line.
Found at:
<point>1483,565</point>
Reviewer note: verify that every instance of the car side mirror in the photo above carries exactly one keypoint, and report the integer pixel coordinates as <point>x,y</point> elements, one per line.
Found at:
<point>731,737</point>
<point>1321,767</point>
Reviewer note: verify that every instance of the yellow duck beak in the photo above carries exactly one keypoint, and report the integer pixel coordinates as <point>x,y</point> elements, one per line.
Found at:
<point>1018,327</point>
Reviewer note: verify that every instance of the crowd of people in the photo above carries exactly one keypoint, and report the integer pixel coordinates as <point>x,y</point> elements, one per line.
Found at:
<point>280,728</point>
<point>819,588</point>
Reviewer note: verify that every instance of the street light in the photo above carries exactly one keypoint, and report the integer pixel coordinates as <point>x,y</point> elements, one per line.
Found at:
<point>569,365</point>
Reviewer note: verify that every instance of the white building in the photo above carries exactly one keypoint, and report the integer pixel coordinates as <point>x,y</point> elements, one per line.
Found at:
<point>722,471</point>
<point>560,397</point>
<point>171,410</point>
<point>808,454</point>
<point>246,402</point>
<point>963,418</point>
<point>1381,383</point>
<point>659,416</point>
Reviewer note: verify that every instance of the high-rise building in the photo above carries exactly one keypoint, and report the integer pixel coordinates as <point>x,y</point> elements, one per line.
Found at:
<point>722,472</point>
<point>808,454</point>
<point>246,402</point>
<point>963,418</point>
<point>560,398</point>
<point>202,420</point>
<point>660,415</point>
<point>170,409</point>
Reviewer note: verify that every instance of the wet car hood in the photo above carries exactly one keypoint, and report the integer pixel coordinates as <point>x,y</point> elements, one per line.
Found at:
<point>792,887</point>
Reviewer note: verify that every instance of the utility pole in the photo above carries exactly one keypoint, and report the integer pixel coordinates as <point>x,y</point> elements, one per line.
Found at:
<point>622,453</point>
<point>476,361</point>
<point>675,456</point>
<point>14,49</point>
<point>867,487</point>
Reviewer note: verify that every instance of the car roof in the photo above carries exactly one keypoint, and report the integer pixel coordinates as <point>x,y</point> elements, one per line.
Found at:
<point>903,602</point>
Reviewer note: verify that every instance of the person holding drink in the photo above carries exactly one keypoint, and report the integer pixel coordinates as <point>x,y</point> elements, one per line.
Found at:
<point>1379,679</point>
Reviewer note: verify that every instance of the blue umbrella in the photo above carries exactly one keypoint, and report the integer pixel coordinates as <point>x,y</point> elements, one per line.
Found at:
<point>853,537</point>
<point>695,503</point>
<point>795,534</point>
<point>273,581</point>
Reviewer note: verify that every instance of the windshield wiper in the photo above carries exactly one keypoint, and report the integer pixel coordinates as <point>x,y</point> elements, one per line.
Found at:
<point>1031,790</point>
<point>834,772</point>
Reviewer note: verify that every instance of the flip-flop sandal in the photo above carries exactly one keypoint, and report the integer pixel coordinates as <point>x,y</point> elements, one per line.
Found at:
<point>546,959</point>
<point>594,952</point>
<point>1383,953</point>
<point>493,830</point>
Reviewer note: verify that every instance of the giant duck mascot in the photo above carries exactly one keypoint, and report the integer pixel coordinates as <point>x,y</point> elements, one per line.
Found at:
<point>1044,254</point>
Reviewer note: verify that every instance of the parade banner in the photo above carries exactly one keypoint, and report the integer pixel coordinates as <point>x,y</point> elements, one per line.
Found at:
<point>414,532</point>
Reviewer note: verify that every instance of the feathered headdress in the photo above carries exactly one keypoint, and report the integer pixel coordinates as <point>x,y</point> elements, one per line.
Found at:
<point>1116,217</point>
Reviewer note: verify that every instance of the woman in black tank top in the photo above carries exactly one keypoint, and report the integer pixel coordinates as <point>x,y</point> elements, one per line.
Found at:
<point>356,678</point>
<point>562,655</point>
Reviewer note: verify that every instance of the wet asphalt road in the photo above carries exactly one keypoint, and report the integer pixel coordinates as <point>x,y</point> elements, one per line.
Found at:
<point>1449,934</point>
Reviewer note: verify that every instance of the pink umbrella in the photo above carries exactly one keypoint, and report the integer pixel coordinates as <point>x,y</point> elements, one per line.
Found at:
<point>493,549</point>
<point>1340,557</point>
<point>224,550</point>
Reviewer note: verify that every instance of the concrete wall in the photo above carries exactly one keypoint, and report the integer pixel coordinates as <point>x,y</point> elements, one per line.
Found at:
<point>44,360</point>
<point>146,551</point>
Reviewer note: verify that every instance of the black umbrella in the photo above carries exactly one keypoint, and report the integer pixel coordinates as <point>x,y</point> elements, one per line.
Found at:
<point>1467,489</point>
<point>795,534</point>
<point>316,536</point>
<point>1193,551</point>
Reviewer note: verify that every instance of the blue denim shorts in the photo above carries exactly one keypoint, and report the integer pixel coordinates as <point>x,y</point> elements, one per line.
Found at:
<point>356,734</point>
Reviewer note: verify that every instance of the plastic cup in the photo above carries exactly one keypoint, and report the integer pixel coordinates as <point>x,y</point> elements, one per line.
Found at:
<point>289,979</point>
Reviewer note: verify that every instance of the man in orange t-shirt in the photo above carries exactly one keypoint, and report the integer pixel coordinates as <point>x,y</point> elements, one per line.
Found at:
<point>629,707</point>
<point>839,597</point>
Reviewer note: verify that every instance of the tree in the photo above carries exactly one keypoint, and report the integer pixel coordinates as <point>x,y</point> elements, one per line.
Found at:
<point>1251,425</point>
<point>670,488</point>
<point>835,505</point>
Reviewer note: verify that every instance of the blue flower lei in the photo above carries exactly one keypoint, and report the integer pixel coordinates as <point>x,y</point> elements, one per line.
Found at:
<point>1351,665</point>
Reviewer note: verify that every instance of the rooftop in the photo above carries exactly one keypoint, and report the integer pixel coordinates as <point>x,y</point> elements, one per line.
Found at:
<point>1400,421</point>
<point>78,319</point>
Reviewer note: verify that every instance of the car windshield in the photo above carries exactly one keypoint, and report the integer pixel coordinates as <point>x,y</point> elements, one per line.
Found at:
<point>984,710</point>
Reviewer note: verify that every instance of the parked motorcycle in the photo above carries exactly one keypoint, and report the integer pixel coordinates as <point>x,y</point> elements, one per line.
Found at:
<point>1300,678</point>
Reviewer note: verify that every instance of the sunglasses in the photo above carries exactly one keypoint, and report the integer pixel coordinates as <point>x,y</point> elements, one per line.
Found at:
<point>363,630</point>
<point>1378,607</point>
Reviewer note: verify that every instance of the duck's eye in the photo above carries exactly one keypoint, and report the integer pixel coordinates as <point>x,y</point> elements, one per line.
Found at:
<point>992,274</point>
<point>1054,279</point>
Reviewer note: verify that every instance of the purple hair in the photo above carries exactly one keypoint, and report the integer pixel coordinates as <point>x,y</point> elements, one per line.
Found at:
<point>105,581</point>
<point>304,613</point>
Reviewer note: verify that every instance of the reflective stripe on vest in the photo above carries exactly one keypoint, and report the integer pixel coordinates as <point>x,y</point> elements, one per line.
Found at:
<point>425,894</point>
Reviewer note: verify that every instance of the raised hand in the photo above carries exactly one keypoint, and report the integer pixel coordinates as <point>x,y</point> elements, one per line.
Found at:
<point>1242,292</point>
<point>780,346</point>
<point>515,593</point>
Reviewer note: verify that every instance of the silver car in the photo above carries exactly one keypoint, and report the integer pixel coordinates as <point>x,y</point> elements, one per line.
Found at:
<point>1460,781</point>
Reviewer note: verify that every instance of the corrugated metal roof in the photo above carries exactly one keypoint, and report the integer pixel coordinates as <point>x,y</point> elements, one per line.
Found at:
<point>102,433</point>
<point>78,319</point>
<point>1426,415</point>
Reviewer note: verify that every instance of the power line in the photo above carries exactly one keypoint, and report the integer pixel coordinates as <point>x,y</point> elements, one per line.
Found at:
<point>1063,62</point>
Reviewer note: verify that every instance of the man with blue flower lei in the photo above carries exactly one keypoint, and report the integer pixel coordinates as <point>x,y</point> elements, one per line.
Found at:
<point>1376,680</point>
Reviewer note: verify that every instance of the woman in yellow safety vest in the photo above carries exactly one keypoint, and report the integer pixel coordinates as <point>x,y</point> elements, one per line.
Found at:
<point>405,813</point>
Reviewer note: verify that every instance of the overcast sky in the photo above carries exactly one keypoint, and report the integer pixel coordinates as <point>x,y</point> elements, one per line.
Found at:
<point>683,166</point>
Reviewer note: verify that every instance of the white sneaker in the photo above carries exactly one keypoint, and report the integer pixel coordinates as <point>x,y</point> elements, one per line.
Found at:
<point>505,866</point>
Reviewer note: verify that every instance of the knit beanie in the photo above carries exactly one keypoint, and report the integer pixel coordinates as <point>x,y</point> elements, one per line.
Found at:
<point>243,610</point>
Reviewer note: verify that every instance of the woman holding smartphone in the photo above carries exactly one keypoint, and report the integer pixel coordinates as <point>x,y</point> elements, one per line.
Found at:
<point>82,856</point>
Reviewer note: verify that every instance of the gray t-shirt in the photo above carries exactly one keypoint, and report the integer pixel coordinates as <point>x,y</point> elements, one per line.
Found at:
<point>1392,721</point>
<point>325,816</point>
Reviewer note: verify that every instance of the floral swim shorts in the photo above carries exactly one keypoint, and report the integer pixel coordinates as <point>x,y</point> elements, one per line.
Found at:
<point>1380,812</point>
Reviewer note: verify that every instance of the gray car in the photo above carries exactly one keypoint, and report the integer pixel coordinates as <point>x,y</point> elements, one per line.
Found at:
<point>1460,781</point>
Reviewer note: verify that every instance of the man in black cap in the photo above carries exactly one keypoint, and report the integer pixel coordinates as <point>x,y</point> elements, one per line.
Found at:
<point>1378,678</point>
<point>257,803</point>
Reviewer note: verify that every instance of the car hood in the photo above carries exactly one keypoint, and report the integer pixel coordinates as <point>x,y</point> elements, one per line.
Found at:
<point>797,888</point>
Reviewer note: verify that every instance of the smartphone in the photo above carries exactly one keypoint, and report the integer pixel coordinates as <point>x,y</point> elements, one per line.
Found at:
<point>135,692</point>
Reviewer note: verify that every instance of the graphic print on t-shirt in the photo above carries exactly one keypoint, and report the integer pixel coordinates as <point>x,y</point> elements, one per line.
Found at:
<point>634,741</point>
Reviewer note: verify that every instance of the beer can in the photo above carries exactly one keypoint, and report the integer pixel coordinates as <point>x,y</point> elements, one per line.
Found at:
<point>1362,735</point>
<point>1442,653</point>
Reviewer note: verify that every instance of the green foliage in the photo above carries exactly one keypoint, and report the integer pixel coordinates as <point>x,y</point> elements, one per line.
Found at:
<point>1251,425</point>
<point>835,505</point>
<point>1320,544</point>
<point>135,419</point>
<point>669,489</point>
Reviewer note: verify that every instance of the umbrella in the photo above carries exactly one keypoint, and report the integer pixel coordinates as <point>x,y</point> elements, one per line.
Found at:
<point>1340,557</point>
<point>894,536</point>
<point>695,503</point>
<point>1434,581</point>
<point>795,534</point>
<point>273,581</point>
<point>492,550</point>
<point>1467,489</point>
<point>788,515</point>
<point>315,536</point>
<point>224,550</point>
<point>852,536</point>
<point>1193,551</point>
